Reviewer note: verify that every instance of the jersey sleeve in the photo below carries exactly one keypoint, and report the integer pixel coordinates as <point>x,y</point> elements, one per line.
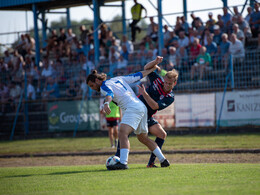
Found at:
<point>166,101</point>
<point>131,78</point>
<point>106,90</point>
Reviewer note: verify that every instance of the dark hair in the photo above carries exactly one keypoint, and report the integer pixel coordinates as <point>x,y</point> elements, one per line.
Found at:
<point>94,75</point>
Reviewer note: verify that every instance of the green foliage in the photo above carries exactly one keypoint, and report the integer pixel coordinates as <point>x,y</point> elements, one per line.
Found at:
<point>177,179</point>
<point>225,141</point>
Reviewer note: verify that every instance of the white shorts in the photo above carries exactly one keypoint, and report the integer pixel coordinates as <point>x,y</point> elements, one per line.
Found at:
<point>136,118</point>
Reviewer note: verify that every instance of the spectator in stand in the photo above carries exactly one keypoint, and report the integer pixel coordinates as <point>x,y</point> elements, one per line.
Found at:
<point>244,26</point>
<point>166,35</point>
<point>127,43</point>
<point>31,94</point>
<point>31,69</point>
<point>30,54</point>
<point>136,12</point>
<point>103,33</point>
<point>185,25</point>
<point>151,26</point>
<point>21,45</point>
<point>194,50</point>
<point>172,56</point>
<point>122,63</point>
<point>236,49</point>
<point>113,60</point>
<point>203,63</point>
<point>154,34</point>
<point>72,89</point>
<point>83,86</point>
<point>30,43</point>
<point>226,17</point>
<point>212,49</point>
<point>178,27</point>
<point>173,37</point>
<point>83,34</point>
<point>223,50</point>
<point>142,54</point>
<point>183,40</point>
<point>52,42</point>
<point>62,42</point>
<point>47,70</point>
<point>116,45</point>
<point>221,25</point>
<point>217,35</point>
<point>182,59</point>
<point>191,35</point>
<point>204,38</point>
<point>239,33</point>
<point>124,52</point>
<point>52,89</point>
<point>199,27</point>
<point>7,58</point>
<point>236,13</point>
<point>255,21</point>
<point>4,91</point>
<point>248,16</point>
<point>154,50</point>
<point>18,71</point>
<point>15,91</point>
<point>194,18</point>
<point>69,40</point>
<point>211,22</point>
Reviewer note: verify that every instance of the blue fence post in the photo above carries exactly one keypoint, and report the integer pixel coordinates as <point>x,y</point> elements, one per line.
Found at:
<point>36,35</point>
<point>160,32</point>
<point>26,122</point>
<point>232,72</point>
<point>68,17</point>
<point>123,17</point>
<point>16,115</point>
<point>96,21</point>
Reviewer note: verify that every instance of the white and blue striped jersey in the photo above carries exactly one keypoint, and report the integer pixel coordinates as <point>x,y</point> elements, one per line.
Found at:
<point>120,91</point>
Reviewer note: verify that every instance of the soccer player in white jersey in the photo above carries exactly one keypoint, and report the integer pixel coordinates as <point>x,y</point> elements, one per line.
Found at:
<point>134,111</point>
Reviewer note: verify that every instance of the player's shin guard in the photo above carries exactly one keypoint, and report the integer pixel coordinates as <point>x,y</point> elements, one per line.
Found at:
<point>159,142</point>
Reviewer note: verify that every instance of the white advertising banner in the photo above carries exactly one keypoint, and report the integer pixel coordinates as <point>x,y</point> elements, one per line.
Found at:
<point>166,117</point>
<point>239,108</point>
<point>195,110</point>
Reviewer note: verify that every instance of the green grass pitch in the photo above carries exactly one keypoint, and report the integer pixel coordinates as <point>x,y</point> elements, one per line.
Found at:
<point>177,179</point>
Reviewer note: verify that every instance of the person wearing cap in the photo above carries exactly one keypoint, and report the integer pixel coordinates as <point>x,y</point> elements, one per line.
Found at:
<point>217,34</point>
<point>211,22</point>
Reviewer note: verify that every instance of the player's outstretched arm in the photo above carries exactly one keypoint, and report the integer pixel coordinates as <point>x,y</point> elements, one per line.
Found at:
<point>153,104</point>
<point>153,63</point>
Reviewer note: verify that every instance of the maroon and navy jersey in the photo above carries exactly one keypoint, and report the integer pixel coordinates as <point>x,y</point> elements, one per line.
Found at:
<point>155,90</point>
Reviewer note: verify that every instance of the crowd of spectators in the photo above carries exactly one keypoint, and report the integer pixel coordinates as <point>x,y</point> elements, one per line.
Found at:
<point>188,47</point>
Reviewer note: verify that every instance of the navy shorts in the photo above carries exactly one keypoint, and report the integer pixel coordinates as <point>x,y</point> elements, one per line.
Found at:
<point>151,121</point>
<point>112,123</point>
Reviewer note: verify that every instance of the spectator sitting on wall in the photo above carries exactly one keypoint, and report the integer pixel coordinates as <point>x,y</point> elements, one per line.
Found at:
<point>203,63</point>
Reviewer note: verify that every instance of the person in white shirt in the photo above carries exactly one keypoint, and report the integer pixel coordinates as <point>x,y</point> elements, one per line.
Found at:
<point>133,109</point>
<point>236,48</point>
<point>30,90</point>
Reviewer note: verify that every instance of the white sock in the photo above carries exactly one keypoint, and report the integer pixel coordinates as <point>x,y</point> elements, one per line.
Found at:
<point>124,156</point>
<point>158,153</point>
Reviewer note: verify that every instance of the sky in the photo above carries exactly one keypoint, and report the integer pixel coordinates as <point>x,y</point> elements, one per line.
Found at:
<point>13,21</point>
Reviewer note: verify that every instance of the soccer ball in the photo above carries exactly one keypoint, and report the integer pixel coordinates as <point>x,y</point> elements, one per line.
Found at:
<point>112,160</point>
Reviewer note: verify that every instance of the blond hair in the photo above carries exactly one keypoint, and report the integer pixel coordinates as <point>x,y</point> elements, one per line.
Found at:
<point>173,74</point>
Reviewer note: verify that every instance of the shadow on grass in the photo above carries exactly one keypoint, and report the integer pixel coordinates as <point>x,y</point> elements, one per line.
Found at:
<point>56,173</point>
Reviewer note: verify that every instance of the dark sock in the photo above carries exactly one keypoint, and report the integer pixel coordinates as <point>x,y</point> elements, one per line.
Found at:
<point>159,142</point>
<point>118,149</point>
